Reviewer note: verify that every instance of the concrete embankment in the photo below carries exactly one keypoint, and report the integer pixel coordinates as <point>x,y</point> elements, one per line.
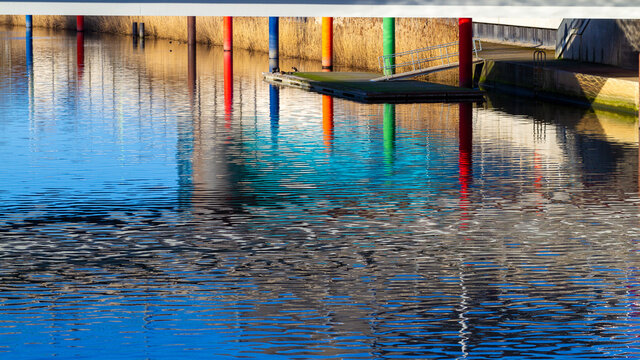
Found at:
<point>357,42</point>
<point>599,86</point>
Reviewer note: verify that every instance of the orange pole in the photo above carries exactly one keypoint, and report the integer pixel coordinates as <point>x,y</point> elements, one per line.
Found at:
<point>327,43</point>
<point>327,119</point>
<point>228,33</point>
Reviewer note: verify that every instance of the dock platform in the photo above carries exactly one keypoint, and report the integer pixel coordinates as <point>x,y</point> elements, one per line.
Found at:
<point>358,86</point>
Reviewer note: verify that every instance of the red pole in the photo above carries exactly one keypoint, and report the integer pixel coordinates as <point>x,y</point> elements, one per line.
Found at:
<point>228,33</point>
<point>465,33</point>
<point>80,23</point>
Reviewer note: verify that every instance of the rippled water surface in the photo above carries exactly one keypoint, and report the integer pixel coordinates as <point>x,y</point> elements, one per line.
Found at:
<point>150,211</point>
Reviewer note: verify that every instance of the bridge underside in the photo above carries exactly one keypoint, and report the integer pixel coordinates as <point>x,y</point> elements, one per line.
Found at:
<point>334,8</point>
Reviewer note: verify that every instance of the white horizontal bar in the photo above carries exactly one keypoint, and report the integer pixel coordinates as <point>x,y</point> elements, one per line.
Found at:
<point>338,8</point>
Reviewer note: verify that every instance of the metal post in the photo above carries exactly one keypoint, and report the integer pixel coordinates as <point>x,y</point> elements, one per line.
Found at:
<point>327,43</point>
<point>191,30</point>
<point>28,21</point>
<point>141,30</point>
<point>228,33</point>
<point>134,29</point>
<point>465,44</point>
<point>274,43</point>
<point>389,42</point>
<point>80,23</point>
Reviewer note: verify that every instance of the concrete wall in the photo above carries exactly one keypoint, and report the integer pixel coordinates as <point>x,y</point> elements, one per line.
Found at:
<point>515,34</point>
<point>604,41</point>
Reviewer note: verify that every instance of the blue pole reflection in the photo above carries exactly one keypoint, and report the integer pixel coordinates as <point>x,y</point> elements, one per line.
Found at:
<point>274,111</point>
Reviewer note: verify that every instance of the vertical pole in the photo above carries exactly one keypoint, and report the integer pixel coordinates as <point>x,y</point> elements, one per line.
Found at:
<point>274,43</point>
<point>389,44</point>
<point>28,21</point>
<point>191,30</point>
<point>141,30</point>
<point>465,44</point>
<point>389,133</point>
<point>80,23</point>
<point>327,43</point>
<point>228,33</point>
<point>134,29</point>
<point>274,112</point>
<point>327,120</point>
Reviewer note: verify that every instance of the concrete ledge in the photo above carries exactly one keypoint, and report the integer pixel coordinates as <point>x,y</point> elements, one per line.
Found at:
<point>561,85</point>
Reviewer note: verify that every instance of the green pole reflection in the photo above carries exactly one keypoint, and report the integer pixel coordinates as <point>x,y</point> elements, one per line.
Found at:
<point>389,133</point>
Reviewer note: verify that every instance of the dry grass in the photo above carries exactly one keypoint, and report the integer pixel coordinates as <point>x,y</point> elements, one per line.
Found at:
<point>357,41</point>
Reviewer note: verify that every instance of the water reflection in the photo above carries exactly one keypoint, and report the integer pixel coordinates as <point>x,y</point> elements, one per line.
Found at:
<point>161,217</point>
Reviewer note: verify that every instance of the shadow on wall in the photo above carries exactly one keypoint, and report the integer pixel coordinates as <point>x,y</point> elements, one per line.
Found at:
<point>603,41</point>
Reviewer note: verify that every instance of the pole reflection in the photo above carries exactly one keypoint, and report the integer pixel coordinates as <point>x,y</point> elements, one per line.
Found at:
<point>191,72</point>
<point>389,133</point>
<point>80,54</point>
<point>465,153</point>
<point>274,112</point>
<point>228,87</point>
<point>327,120</point>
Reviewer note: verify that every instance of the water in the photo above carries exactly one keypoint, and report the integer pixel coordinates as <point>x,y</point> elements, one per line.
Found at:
<point>148,212</point>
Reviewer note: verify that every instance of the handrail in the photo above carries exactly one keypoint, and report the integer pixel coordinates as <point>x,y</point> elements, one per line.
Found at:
<point>416,61</point>
<point>575,31</point>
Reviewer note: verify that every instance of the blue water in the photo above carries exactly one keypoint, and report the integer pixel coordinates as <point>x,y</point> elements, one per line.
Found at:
<point>145,216</point>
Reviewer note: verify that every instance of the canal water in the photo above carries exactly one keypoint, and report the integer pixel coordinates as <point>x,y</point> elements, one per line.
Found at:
<point>149,210</point>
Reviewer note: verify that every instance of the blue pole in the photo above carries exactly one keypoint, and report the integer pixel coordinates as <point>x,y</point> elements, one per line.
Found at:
<point>274,112</point>
<point>274,43</point>
<point>28,21</point>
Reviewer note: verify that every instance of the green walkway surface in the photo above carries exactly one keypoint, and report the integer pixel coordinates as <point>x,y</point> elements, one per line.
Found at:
<point>357,86</point>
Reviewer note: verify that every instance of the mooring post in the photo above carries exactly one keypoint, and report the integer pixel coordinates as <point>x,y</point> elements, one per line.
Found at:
<point>327,43</point>
<point>465,52</point>
<point>389,44</point>
<point>80,23</point>
<point>191,30</point>
<point>274,43</point>
<point>327,120</point>
<point>228,33</point>
<point>28,21</point>
<point>141,30</point>
<point>134,29</point>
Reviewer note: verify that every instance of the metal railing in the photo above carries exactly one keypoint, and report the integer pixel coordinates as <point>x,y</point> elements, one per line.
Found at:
<point>419,59</point>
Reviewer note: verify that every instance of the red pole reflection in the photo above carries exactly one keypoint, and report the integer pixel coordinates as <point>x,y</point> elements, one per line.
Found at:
<point>465,153</point>
<point>80,54</point>
<point>228,87</point>
<point>327,120</point>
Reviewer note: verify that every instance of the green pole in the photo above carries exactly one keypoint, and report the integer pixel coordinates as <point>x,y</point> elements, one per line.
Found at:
<point>388,42</point>
<point>389,132</point>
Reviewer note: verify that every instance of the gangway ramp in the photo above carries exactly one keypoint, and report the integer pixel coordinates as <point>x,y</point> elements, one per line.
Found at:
<point>422,61</point>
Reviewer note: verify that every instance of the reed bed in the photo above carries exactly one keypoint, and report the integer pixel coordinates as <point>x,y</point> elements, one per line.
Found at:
<point>357,41</point>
